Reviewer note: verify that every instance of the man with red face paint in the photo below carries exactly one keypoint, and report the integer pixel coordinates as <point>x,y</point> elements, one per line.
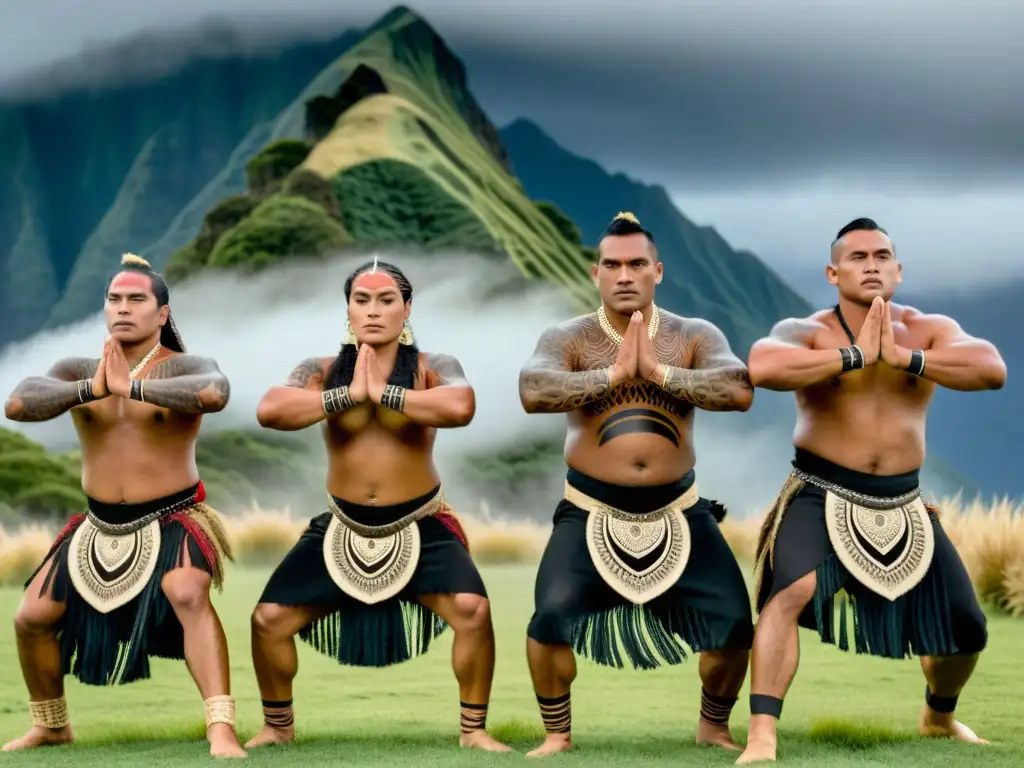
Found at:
<point>129,579</point>
<point>381,574</point>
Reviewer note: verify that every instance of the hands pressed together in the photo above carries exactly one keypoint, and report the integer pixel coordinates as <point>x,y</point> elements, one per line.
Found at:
<point>367,380</point>
<point>113,374</point>
<point>878,341</point>
<point>636,358</point>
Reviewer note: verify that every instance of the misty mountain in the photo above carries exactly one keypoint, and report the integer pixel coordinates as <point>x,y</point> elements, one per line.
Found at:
<point>373,138</point>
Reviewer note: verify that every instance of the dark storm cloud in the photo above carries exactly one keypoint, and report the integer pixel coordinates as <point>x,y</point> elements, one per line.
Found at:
<point>729,93</point>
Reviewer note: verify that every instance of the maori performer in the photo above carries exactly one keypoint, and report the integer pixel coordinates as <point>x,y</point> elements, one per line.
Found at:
<point>130,579</point>
<point>850,517</point>
<point>376,578</point>
<point>635,552</point>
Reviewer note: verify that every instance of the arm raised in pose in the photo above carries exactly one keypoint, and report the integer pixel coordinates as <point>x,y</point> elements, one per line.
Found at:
<point>183,383</point>
<point>70,382</point>
<point>301,401</point>
<point>447,402</point>
<point>716,380</point>
<point>953,359</point>
<point>548,384</point>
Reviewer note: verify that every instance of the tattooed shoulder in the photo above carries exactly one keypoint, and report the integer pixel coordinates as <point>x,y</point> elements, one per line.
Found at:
<point>183,365</point>
<point>74,368</point>
<point>446,369</point>
<point>310,372</point>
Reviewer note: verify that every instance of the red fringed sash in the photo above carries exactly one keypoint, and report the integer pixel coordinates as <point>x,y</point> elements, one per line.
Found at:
<point>451,522</point>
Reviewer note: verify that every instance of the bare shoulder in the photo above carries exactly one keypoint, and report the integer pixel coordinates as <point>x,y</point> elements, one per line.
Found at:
<point>183,364</point>
<point>572,330</point>
<point>309,372</point>
<point>74,368</point>
<point>912,317</point>
<point>689,328</point>
<point>568,338</point>
<point>801,331</point>
<point>446,369</point>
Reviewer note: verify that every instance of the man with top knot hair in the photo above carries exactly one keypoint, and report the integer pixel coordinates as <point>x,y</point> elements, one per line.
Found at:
<point>130,578</point>
<point>850,520</point>
<point>636,554</point>
<point>378,576</point>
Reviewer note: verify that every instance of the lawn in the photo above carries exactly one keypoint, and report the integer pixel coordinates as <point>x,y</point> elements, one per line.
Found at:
<point>842,711</point>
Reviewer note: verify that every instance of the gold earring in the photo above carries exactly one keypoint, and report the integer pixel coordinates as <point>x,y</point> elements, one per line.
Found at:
<point>405,337</point>
<point>351,337</point>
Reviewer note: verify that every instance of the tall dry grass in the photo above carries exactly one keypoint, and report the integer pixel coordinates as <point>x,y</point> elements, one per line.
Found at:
<point>989,537</point>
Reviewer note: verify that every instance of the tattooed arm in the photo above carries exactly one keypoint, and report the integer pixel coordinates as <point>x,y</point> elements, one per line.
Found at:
<point>184,383</point>
<point>300,402</point>
<point>41,398</point>
<point>547,383</point>
<point>448,400</point>
<point>716,381</point>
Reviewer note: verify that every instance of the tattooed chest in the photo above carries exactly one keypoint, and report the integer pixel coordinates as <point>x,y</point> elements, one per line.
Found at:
<point>639,393</point>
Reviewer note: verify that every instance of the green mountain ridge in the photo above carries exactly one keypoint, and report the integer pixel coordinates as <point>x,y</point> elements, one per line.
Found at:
<point>381,143</point>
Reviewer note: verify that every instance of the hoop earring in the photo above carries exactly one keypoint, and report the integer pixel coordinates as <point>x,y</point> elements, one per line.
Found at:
<point>405,337</point>
<point>350,337</point>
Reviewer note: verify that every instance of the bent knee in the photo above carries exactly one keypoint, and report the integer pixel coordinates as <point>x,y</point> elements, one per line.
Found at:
<point>792,600</point>
<point>271,619</point>
<point>33,620</point>
<point>187,589</point>
<point>471,613</point>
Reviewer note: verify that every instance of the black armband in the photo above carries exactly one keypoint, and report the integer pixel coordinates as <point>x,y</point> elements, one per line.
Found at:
<point>336,400</point>
<point>136,391</point>
<point>853,358</point>
<point>85,394</point>
<point>393,397</point>
<point>916,366</point>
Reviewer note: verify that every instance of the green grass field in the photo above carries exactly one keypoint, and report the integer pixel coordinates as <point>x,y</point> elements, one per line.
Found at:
<point>842,710</point>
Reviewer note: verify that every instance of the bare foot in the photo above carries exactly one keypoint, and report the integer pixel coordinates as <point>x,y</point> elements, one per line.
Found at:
<point>757,751</point>
<point>716,736</point>
<point>223,741</point>
<point>272,736</point>
<point>481,739</point>
<point>553,744</point>
<point>939,725</point>
<point>41,737</point>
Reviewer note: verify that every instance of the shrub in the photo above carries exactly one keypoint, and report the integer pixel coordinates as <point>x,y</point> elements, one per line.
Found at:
<point>269,167</point>
<point>303,182</point>
<point>390,202</point>
<point>262,538</point>
<point>566,226</point>
<point>279,228</point>
<point>223,216</point>
<point>21,553</point>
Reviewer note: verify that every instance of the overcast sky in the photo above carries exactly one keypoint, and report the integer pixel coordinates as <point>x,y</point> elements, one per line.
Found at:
<point>775,121</point>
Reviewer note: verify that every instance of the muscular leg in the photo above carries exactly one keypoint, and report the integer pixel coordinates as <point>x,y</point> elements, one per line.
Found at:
<point>553,669</point>
<point>722,674</point>
<point>469,616</point>
<point>774,663</point>
<point>276,662</point>
<point>35,631</point>
<point>946,676</point>
<point>206,649</point>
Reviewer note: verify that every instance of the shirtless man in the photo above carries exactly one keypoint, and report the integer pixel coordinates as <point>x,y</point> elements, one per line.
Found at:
<point>633,541</point>
<point>130,578</point>
<point>389,545</point>
<point>850,515</point>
